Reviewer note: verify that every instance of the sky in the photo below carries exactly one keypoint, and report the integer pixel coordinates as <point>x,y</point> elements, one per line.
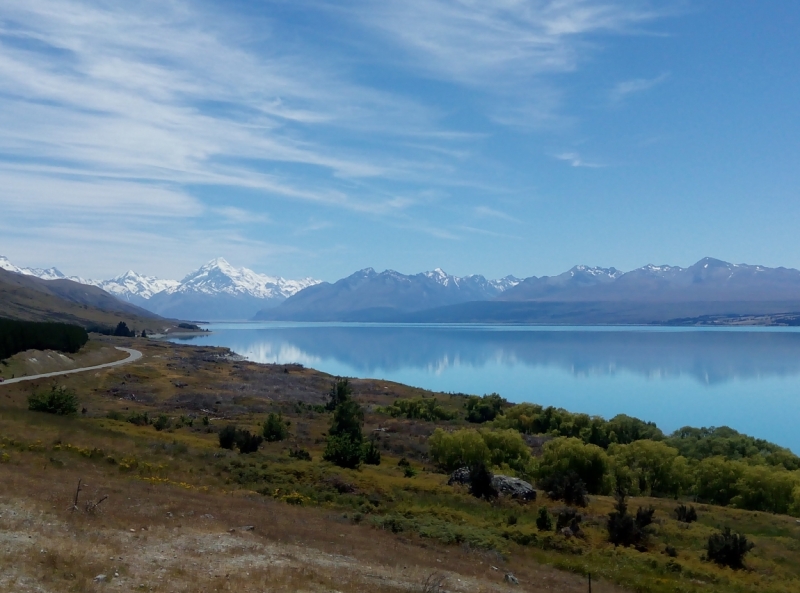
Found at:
<point>315,138</point>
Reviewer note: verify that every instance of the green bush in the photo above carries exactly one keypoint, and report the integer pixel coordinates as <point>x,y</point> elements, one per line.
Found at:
<point>544,521</point>
<point>480,482</point>
<point>339,392</point>
<point>728,549</point>
<point>275,428</point>
<point>139,419</point>
<point>161,422</point>
<point>625,529</point>
<point>371,454</point>
<point>484,409</point>
<point>589,462</point>
<point>59,400</point>
<point>685,514</point>
<point>247,442</point>
<point>343,451</point>
<point>453,450</point>
<point>566,486</point>
<point>655,467</point>
<point>300,454</point>
<point>418,409</point>
<point>227,437</point>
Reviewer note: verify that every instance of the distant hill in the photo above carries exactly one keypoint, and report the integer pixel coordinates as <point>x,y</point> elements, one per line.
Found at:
<point>32,299</point>
<point>709,280</point>
<point>368,295</point>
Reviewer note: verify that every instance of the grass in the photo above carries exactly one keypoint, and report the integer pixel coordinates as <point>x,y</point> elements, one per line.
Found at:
<point>376,515</point>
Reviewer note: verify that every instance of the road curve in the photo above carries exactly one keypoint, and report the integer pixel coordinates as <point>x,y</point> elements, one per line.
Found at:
<point>133,355</point>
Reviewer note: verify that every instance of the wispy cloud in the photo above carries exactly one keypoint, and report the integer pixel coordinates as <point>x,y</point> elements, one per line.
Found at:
<point>623,90</point>
<point>575,160</point>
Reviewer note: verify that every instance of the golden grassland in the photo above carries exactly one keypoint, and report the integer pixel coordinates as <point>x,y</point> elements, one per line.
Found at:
<point>174,494</point>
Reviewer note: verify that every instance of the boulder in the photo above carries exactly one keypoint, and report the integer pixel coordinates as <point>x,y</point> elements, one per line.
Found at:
<point>511,579</point>
<point>514,487</point>
<point>505,485</point>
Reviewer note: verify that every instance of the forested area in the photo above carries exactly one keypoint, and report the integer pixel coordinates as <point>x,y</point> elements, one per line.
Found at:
<point>18,336</point>
<point>591,455</point>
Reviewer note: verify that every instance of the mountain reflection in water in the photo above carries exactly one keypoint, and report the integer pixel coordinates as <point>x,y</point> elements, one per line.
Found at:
<point>717,377</point>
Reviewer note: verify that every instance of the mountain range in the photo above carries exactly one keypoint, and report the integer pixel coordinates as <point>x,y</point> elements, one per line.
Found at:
<point>216,291</point>
<point>581,295</point>
<point>591,295</point>
<point>368,295</point>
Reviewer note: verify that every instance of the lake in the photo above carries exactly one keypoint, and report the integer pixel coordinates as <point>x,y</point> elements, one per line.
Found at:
<point>745,378</point>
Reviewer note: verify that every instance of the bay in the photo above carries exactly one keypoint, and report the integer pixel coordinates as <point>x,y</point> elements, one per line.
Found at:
<point>745,378</point>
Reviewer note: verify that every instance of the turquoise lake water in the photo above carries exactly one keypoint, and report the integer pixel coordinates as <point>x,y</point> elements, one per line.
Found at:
<point>748,379</point>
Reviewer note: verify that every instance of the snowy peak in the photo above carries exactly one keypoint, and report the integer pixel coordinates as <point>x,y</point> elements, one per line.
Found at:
<point>132,286</point>
<point>218,276</point>
<point>48,274</point>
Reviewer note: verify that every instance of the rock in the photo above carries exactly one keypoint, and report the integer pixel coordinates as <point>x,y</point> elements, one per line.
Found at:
<point>514,487</point>
<point>510,578</point>
<point>101,578</point>
<point>460,476</point>
<point>566,532</point>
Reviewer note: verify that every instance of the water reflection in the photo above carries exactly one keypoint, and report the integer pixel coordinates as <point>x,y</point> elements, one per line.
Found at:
<point>708,357</point>
<point>749,380</point>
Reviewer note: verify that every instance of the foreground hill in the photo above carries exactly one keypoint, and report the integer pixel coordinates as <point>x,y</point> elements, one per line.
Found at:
<point>32,299</point>
<point>177,508</point>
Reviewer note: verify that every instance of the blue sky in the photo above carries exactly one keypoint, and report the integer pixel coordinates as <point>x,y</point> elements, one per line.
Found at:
<point>315,138</point>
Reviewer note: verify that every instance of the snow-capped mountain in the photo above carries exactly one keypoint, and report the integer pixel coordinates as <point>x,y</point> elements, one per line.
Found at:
<point>48,274</point>
<point>135,287</point>
<point>370,295</point>
<point>215,291</point>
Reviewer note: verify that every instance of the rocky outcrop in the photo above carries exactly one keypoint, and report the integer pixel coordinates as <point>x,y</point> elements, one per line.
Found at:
<point>505,485</point>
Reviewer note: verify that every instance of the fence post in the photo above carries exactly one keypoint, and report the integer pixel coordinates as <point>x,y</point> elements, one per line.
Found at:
<point>590,582</point>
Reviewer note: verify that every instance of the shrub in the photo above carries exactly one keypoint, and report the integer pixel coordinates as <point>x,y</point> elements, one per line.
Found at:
<point>685,514</point>
<point>566,486</point>
<point>161,422</point>
<point>409,472</point>
<point>403,462</point>
<point>507,447</point>
<point>275,428</point>
<point>480,482</point>
<point>371,454</point>
<point>300,454</point>
<point>343,451</point>
<point>206,421</point>
<point>227,437</point>
<point>569,517</point>
<point>484,409</point>
<point>625,529</point>
<point>418,409</point>
<point>728,549</point>
<point>452,450</point>
<point>655,467</point>
<point>544,521</point>
<point>139,419</point>
<point>59,400</point>
<point>247,442</point>
<point>589,462</point>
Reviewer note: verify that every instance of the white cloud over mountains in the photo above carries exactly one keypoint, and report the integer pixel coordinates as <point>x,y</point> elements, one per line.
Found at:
<point>119,119</point>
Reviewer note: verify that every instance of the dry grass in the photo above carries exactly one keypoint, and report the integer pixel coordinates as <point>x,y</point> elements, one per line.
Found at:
<point>162,538</point>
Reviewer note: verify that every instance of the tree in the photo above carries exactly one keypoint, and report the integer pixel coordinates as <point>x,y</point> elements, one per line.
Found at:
<point>371,454</point>
<point>507,447</point>
<point>589,462</point>
<point>685,514</point>
<point>484,409</point>
<point>123,331</point>
<point>454,450</point>
<point>544,521</point>
<point>345,440</point>
<point>566,486</point>
<point>144,333</point>
<point>480,482</point>
<point>59,400</point>
<point>625,529</point>
<point>765,488</point>
<point>247,442</point>
<point>716,480</point>
<point>340,391</point>
<point>275,428</point>
<point>227,437</point>
<point>728,549</point>
<point>655,466</point>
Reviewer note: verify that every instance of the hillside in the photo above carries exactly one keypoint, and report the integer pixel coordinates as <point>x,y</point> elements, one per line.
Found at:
<point>32,299</point>
<point>180,507</point>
